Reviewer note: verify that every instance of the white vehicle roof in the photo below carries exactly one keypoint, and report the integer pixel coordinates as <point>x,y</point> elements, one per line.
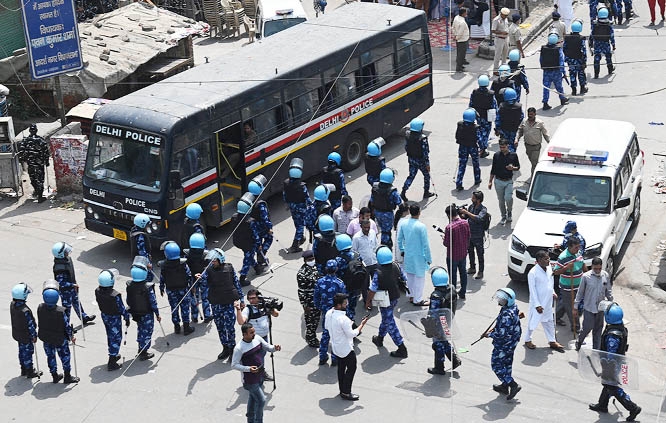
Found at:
<point>589,135</point>
<point>270,9</point>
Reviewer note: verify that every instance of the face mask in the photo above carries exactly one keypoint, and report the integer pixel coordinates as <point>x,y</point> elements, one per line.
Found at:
<point>310,263</point>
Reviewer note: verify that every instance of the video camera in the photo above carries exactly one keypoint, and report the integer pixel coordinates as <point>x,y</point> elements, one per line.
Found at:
<point>270,303</point>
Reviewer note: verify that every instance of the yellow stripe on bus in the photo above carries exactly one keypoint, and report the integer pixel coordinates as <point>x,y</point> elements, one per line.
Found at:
<point>193,201</point>
<point>357,117</point>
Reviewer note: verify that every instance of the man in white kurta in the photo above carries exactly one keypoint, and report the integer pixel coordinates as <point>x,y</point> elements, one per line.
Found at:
<point>413,243</point>
<point>540,280</point>
<point>565,7</point>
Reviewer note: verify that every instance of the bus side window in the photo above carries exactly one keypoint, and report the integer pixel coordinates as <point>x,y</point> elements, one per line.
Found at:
<point>193,159</point>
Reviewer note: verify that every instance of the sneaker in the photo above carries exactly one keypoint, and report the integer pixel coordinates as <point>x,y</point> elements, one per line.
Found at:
<point>471,270</point>
<point>503,221</point>
<point>267,377</point>
<point>598,408</point>
<point>484,153</point>
<point>514,388</point>
<point>509,219</point>
<point>560,322</point>
<point>479,275</point>
<point>633,413</point>
<point>349,397</point>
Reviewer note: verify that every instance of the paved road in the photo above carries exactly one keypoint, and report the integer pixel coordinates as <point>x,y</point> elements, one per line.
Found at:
<point>185,382</point>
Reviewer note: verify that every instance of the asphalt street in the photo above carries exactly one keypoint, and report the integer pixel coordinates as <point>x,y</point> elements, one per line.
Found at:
<point>185,382</point>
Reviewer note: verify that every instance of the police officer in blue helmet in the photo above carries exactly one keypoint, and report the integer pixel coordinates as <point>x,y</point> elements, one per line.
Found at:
<point>509,117</point>
<point>176,279</point>
<point>192,223</point>
<point>262,216</point>
<point>113,311</point>
<point>614,340</point>
<point>332,174</point>
<point>295,194</point>
<point>24,329</point>
<point>374,161</point>
<point>552,63</point>
<point>56,332</point>
<point>483,99</point>
<point>418,157</point>
<point>142,306</point>
<point>442,297</point>
<point>505,335</point>
<point>246,236</point>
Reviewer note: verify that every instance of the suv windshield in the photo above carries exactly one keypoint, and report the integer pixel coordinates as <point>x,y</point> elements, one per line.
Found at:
<point>273,27</point>
<point>124,162</point>
<point>570,193</point>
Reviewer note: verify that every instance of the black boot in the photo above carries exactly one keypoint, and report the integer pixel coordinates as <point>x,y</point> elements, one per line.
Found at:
<point>455,361</point>
<point>295,248</point>
<point>24,371</point>
<point>514,388</point>
<point>187,329</point>
<point>70,379</point>
<point>438,369</point>
<point>30,373</point>
<point>564,101</point>
<point>145,355</point>
<point>40,199</point>
<point>631,407</point>
<point>583,89</point>
<point>112,364</point>
<point>502,389</point>
<point>619,19</point>
<point>574,91</point>
<point>598,408</point>
<point>378,340</point>
<point>243,280</point>
<point>176,328</point>
<point>633,413</point>
<point>226,352</point>
<point>428,194</point>
<point>597,68</point>
<point>57,377</point>
<point>547,106</point>
<point>403,195</point>
<point>401,352</point>
<point>611,69</point>
<point>88,319</point>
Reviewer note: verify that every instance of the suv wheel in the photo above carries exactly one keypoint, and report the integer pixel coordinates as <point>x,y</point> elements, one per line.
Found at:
<point>610,267</point>
<point>636,214</point>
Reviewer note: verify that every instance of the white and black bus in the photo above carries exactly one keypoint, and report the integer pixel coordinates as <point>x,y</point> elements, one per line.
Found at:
<point>359,72</point>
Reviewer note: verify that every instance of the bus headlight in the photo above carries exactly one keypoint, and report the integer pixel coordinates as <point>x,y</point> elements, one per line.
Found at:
<point>89,210</point>
<point>148,229</point>
<point>96,216</point>
<point>517,245</point>
<point>593,251</point>
<point>155,226</point>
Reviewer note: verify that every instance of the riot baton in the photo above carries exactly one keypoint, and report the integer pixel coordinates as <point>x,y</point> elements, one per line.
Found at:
<point>266,260</point>
<point>39,374</point>
<point>76,371</point>
<point>163,333</point>
<point>83,325</point>
<point>270,339</point>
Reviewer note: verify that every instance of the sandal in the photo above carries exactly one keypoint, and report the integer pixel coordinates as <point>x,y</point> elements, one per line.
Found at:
<point>422,303</point>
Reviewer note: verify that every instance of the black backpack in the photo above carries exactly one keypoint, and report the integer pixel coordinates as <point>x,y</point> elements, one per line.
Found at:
<point>356,275</point>
<point>486,221</point>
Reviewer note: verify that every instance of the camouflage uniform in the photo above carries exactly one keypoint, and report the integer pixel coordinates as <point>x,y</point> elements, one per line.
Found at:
<point>324,291</point>
<point>26,348</point>
<point>307,277</point>
<point>34,151</point>
<point>505,338</point>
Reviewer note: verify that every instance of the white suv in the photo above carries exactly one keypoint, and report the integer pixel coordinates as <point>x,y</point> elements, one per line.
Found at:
<point>591,172</point>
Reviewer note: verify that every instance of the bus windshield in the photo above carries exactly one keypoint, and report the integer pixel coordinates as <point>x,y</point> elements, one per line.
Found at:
<point>273,27</point>
<point>570,193</point>
<point>124,162</point>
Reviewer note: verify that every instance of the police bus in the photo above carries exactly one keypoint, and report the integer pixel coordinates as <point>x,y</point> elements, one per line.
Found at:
<point>359,72</point>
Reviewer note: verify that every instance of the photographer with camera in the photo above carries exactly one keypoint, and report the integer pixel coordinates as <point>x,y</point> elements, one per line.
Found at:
<point>456,240</point>
<point>258,312</point>
<point>478,219</point>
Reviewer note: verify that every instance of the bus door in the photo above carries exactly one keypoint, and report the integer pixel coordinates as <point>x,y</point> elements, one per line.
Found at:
<point>230,167</point>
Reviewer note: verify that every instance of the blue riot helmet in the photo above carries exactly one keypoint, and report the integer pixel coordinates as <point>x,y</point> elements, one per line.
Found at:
<point>384,255</point>
<point>335,157</point>
<point>216,253</point>
<point>416,125</point>
<point>331,266</point>
<point>576,26</point>
<point>439,276</point>
<point>107,277</point>
<point>197,240</point>
<point>141,219</point>
<point>505,297</point>
<point>603,13</point>
<point>614,314</point>
<point>51,296</point>
<point>322,191</point>
<point>245,203</point>
<point>326,223</point>
<point>469,115</point>
<point>296,168</point>
<point>257,184</point>
<point>138,274</point>
<point>61,249</point>
<point>504,71</point>
<point>553,39</point>
<point>514,55</point>
<point>387,176</point>
<point>20,291</point>
<point>193,211</point>
<point>510,95</point>
<point>343,242</point>
<point>375,147</point>
<point>50,284</point>
<point>484,81</point>
<point>172,251</point>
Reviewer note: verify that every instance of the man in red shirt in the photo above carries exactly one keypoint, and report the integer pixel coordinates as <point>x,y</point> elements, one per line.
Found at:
<point>456,240</point>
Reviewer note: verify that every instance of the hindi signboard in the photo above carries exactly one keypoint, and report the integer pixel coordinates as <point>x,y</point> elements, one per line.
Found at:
<point>52,37</point>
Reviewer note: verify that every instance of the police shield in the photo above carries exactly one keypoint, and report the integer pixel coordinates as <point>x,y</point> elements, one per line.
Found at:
<point>140,262</point>
<point>608,368</point>
<point>437,325</point>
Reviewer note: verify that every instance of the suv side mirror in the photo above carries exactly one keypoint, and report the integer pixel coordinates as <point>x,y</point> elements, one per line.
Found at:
<point>521,194</point>
<point>622,202</point>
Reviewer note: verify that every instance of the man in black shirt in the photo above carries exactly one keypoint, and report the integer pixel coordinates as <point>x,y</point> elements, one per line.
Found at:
<point>504,164</point>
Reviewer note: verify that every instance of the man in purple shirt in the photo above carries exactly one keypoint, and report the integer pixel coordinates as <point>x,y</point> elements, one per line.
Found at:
<point>248,358</point>
<point>456,240</point>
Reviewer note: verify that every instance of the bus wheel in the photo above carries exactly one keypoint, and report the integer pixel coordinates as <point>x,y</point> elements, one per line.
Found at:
<point>352,154</point>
